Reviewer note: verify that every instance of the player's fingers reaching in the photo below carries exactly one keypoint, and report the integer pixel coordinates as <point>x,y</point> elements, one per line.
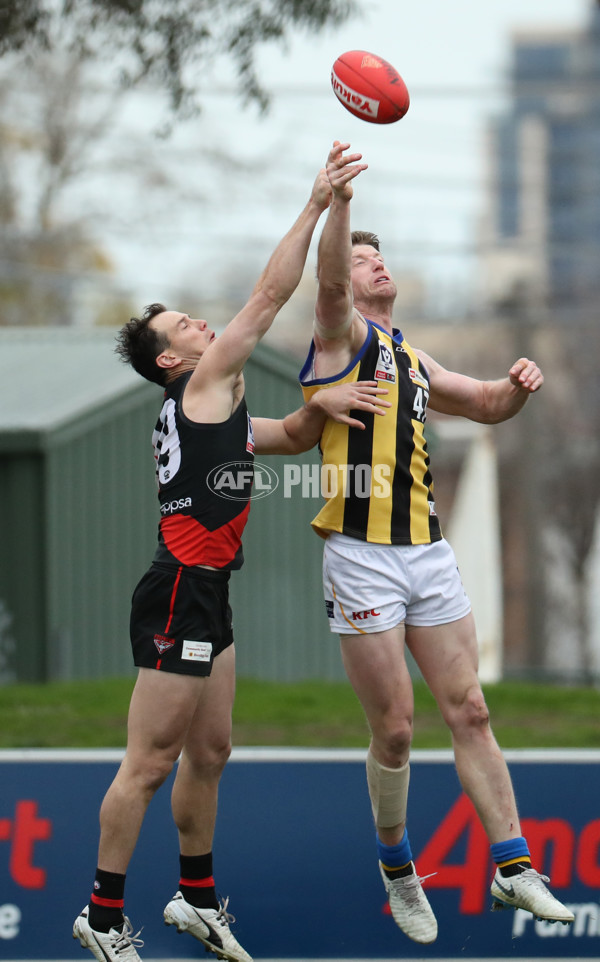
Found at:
<point>341,161</point>
<point>366,396</point>
<point>351,422</point>
<point>526,374</point>
<point>341,167</point>
<point>340,177</point>
<point>345,173</point>
<point>336,151</point>
<point>337,401</point>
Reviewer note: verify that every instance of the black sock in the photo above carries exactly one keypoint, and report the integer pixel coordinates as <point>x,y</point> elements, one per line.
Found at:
<point>107,901</point>
<point>507,871</point>
<point>197,884</point>
<point>403,871</point>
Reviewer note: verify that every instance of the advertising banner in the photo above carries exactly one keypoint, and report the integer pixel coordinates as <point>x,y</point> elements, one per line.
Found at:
<point>295,852</point>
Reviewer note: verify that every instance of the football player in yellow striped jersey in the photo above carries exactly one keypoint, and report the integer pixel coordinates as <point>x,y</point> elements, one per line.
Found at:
<point>390,579</point>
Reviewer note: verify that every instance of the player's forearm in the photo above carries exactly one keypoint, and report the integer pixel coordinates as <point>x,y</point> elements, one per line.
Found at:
<point>283,272</point>
<point>297,432</point>
<point>501,400</point>
<point>334,299</point>
<point>304,428</point>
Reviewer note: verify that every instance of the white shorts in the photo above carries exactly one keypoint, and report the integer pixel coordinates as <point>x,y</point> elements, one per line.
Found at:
<point>373,587</point>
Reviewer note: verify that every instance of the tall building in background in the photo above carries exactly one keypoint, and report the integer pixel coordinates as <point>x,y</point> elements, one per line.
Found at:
<point>541,232</point>
<point>540,258</point>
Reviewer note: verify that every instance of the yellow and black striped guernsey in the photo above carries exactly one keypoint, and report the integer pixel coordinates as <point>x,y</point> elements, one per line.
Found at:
<point>377,482</point>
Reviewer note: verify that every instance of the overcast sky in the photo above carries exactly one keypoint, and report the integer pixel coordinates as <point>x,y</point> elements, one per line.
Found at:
<point>423,190</point>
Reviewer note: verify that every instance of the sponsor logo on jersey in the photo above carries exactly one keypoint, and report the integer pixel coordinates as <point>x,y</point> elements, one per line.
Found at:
<point>250,439</point>
<point>418,378</point>
<point>170,507</point>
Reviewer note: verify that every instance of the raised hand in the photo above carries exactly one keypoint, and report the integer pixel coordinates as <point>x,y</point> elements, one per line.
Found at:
<point>342,169</point>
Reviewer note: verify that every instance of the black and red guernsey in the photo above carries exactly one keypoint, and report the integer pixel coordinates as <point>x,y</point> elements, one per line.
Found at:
<point>204,474</point>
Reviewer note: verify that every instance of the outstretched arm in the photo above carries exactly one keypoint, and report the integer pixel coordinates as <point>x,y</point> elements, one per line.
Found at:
<point>226,356</point>
<point>486,401</point>
<point>301,430</point>
<point>334,308</point>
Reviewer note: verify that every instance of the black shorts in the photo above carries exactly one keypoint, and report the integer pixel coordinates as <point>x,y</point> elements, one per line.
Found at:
<point>180,619</point>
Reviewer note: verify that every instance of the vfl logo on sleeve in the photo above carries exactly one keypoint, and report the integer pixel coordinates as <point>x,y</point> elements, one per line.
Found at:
<point>386,369</point>
<point>250,438</point>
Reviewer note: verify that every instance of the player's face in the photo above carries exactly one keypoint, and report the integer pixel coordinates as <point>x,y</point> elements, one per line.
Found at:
<point>188,337</point>
<point>370,277</point>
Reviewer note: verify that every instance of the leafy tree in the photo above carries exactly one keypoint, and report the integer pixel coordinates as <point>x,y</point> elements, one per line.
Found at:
<point>168,41</point>
<point>50,123</point>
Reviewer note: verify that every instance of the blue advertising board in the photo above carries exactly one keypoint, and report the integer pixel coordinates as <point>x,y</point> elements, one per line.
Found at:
<point>295,851</point>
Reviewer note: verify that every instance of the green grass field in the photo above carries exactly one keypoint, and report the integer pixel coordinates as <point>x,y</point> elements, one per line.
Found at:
<point>93,714</point>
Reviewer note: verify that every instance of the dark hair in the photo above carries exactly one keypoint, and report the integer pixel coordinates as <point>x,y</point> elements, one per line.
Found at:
<point>139,344</point>
<point>365,237</point>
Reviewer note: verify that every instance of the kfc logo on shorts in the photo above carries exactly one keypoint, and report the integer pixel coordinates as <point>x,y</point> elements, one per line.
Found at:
<point>163,643</point>
<point>361,615</point>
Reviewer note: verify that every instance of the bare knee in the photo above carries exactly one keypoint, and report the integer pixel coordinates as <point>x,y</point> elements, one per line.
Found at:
<point>208,760</point>
<point>469,714</point>
<point>392,740</point>
<point>217,755</point>
<point>146,775</point>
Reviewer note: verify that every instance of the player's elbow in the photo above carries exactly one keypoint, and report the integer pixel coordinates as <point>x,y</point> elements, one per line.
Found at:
<point>333,288</point>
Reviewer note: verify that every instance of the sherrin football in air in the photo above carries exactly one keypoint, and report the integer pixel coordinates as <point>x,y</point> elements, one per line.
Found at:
<point>369,87</point>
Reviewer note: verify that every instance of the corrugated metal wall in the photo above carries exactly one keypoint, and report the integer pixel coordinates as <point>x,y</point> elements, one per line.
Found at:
<point>79,529</point>
<point>280,624</point>
<point>101,512</point>
<point>22,565</point>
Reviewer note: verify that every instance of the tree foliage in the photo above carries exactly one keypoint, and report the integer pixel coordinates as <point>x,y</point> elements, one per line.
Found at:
<point>168,41</point>
<point>50,124</point>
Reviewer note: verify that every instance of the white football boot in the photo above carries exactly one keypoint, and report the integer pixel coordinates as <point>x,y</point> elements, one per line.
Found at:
<point>209,926</point>
<point>528,891</point>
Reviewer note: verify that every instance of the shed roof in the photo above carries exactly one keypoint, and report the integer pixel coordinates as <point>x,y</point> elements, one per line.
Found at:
<point>52,376</point>
<point>56,381</point>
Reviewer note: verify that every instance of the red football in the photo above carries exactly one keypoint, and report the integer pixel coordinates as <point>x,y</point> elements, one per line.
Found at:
<point>369,87</point>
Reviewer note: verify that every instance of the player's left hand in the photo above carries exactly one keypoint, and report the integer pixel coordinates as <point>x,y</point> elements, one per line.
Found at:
<point>337,401</point>
<point>526,375</point>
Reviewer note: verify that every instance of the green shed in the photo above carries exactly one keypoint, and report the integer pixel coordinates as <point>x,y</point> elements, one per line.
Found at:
<point>81,514</point>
